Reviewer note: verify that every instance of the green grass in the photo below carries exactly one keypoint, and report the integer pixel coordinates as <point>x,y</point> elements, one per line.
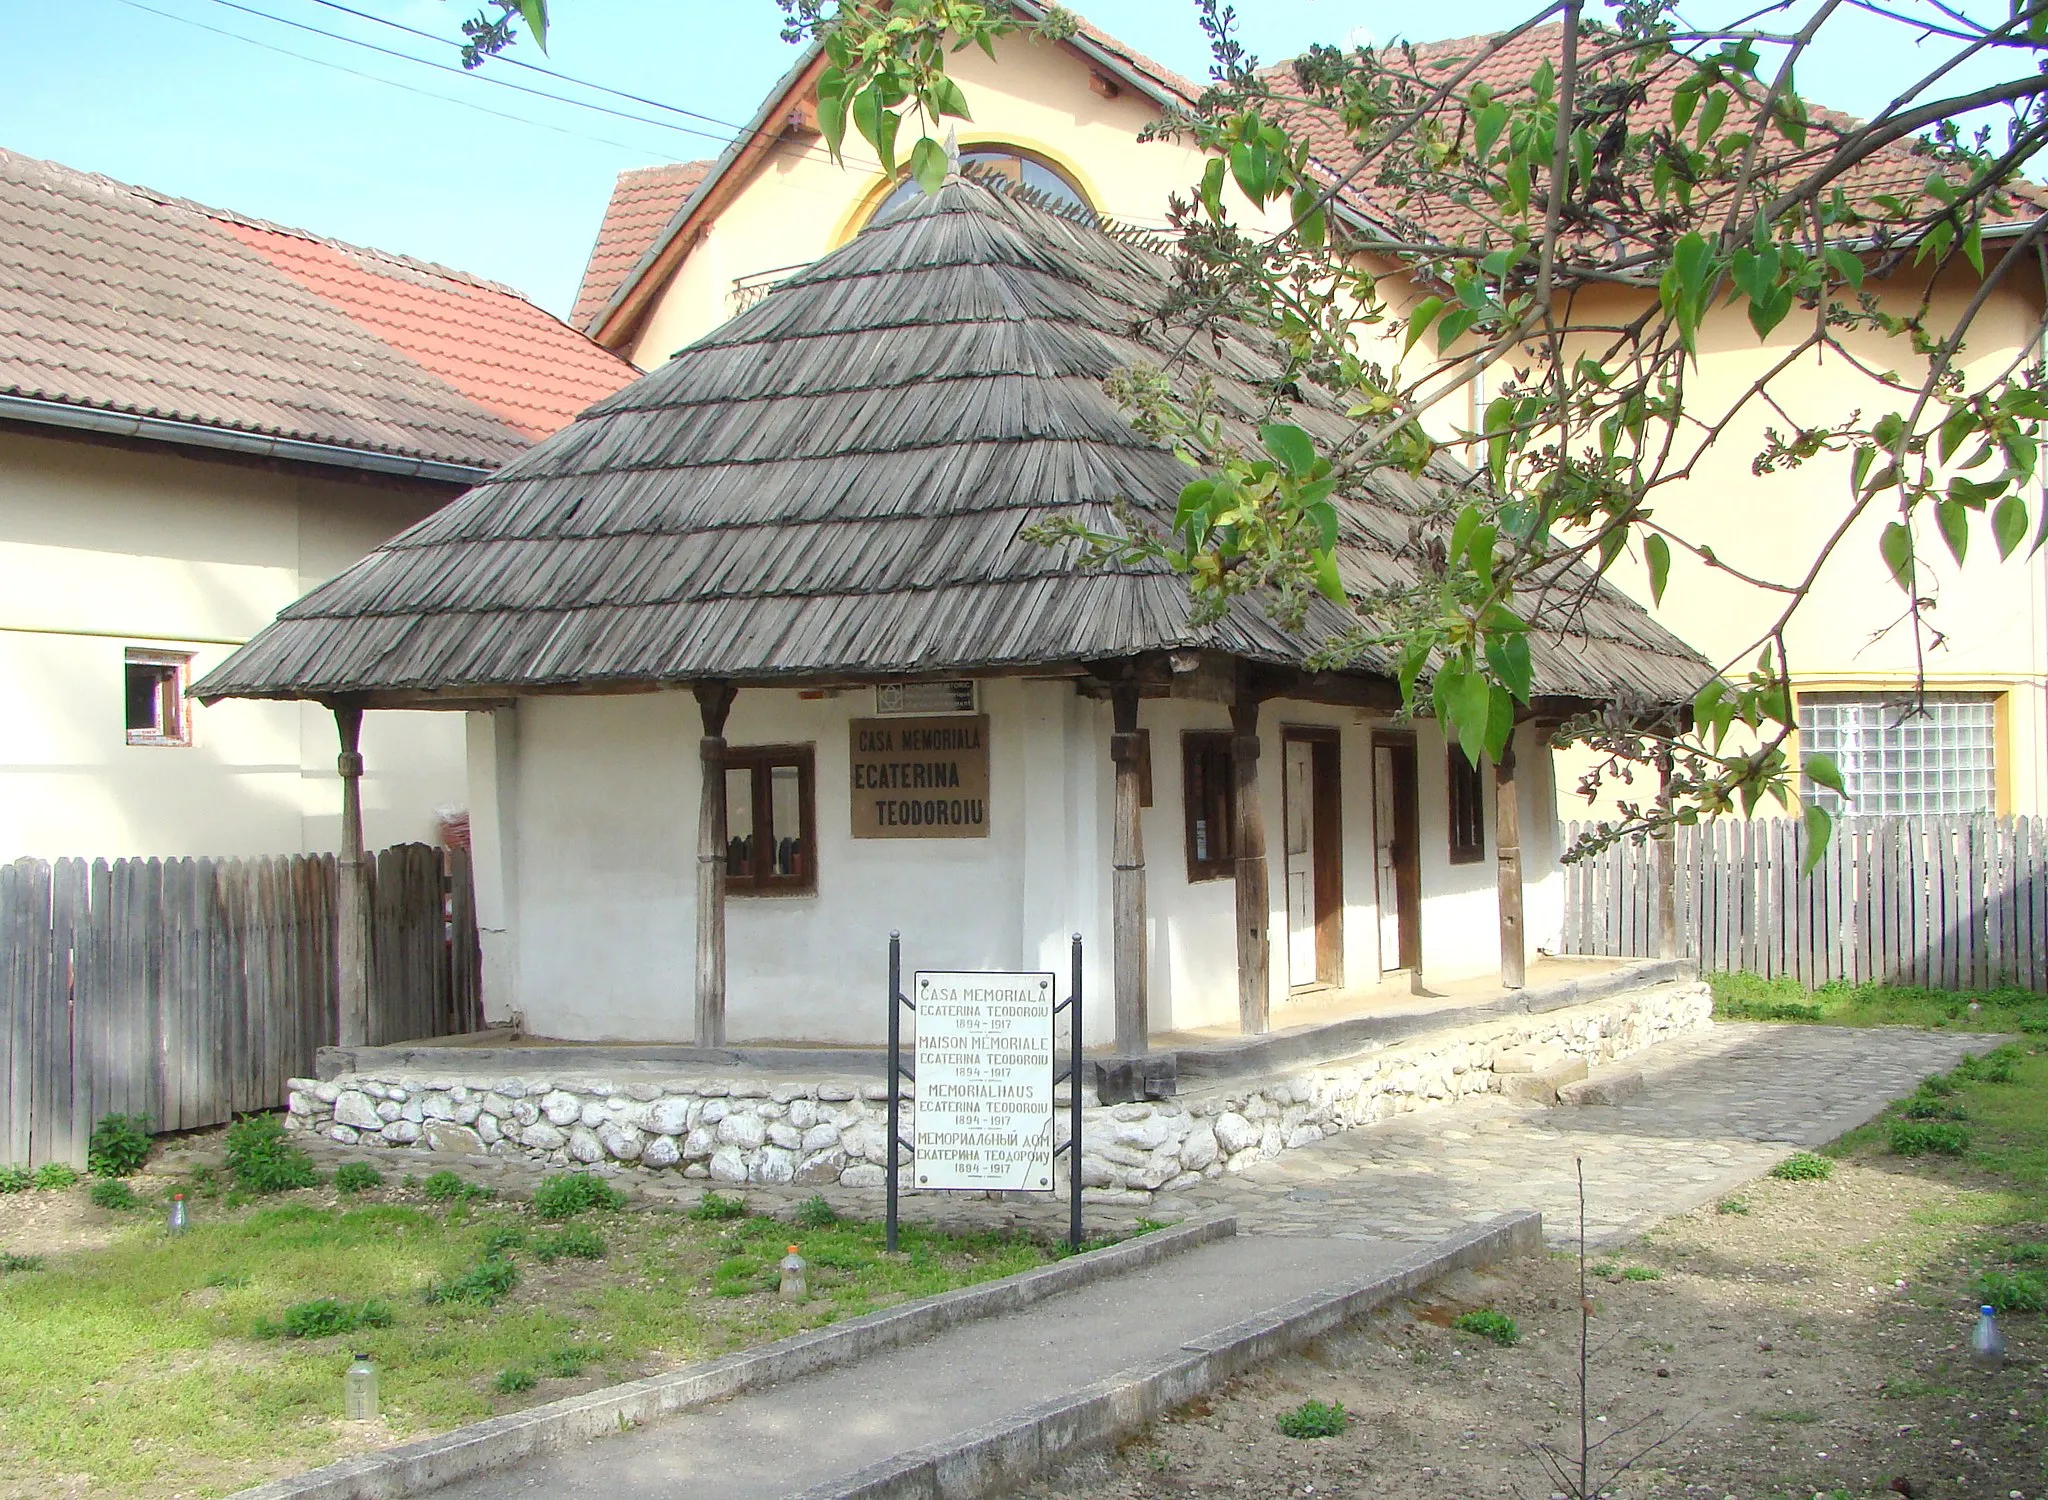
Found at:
<point>1744,997</point>
<point>1489,1324</point>
<point>1804,1166</point>
<point>1315,1419</point>
<point>134,1368</point>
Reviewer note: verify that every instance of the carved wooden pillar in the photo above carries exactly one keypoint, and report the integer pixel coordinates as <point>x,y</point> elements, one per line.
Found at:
<point>714,701</point>
<point>352,894</point>
<point>1254,946</point>
<point>1127,885</point>
<point>1666,848</point>
<point>1507,812</point>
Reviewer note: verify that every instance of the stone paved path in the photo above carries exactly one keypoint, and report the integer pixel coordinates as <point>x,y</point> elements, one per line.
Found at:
<point>1720,1106</point>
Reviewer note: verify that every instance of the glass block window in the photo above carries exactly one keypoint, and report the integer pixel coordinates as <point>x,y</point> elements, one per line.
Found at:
<point>1899,758</point>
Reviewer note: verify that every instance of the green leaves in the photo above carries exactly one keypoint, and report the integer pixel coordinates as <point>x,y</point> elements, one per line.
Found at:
<point>1821,770</point>
<point>1657,553</point>
<point>1293,449</point>
<point>1683,289</point>
<point>1895,546</point>
<point>2009,525</point>
<point>928,164</point>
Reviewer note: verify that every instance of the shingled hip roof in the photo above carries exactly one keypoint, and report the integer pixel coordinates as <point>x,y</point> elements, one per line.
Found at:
<point>115,299</point>
<point>835,483</point>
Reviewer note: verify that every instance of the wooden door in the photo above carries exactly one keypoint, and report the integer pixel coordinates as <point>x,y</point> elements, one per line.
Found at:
<point>1397,866</point>
<point>1312,811</point>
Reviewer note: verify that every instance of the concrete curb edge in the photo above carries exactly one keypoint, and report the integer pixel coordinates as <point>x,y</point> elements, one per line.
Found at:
<point>416,1468</point>
<point>1017,1447</point>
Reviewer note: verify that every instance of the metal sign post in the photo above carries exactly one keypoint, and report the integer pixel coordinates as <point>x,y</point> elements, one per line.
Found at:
<point>984,1069</point>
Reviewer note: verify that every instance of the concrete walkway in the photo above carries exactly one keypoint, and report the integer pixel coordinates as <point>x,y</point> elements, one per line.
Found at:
<point>1720,1107</point>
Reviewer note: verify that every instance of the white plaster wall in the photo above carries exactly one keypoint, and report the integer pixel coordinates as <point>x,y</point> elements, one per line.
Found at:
<point>102,549</point>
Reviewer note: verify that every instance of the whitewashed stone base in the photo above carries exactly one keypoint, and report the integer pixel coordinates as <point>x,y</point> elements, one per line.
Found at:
<point>738,1130</point>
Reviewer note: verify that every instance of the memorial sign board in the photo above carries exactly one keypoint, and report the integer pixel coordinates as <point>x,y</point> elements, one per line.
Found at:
<point>984,1081</point>
<point>921,778</point>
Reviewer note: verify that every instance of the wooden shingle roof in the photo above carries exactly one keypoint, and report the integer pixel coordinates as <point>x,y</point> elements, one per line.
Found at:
<point>835,483</point>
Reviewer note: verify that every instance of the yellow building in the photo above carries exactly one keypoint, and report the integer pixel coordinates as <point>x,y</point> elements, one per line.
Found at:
<point>684,248</point>
<point>201,417</point>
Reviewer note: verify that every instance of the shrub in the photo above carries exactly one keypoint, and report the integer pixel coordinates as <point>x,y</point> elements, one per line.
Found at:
<point>715,1206</point>
<point>2013,1291</point>
<point>357,1177</point>
<point>119,1146</point>
<point>111,1193</point>
<point>1642,1273</point>
<point>10,1262</point>
<point>576,1241</point>
<point>512,1382</point>
<point>568,1194</point>
<point>1315,1419</point>
<point>16,1179</point>
<point>1804,1166</point>
<point>324,1317</point>
<point>1930,1107</point>
<point>1488,1324</point>
<point>815,1213</point>
<point>567,1364</point>
<point>55,1176</point>
<point>492,1278</point>
<point>1925,1138</point>
<point>264,1159</point>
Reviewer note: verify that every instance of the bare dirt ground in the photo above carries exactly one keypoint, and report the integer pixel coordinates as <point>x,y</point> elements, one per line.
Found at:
<point>1806,1339</point>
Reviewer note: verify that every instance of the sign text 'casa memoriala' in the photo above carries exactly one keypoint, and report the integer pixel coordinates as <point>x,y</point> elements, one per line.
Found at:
<point>984,1081</point>
<point>920,778</point>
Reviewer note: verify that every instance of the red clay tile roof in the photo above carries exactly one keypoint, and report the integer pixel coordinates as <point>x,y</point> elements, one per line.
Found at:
<point>644,199</point>
<point>126,300</point>
<point>1898,168</point>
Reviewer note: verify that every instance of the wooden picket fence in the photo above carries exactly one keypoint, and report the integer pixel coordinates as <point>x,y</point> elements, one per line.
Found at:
<point>1950,903</point>
<point>189,990</point>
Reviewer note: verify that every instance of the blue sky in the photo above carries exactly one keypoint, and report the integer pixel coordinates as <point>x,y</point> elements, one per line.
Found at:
<point>140,90</point>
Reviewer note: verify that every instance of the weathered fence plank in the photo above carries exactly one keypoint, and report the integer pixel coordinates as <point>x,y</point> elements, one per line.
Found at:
<point>1952,903</point>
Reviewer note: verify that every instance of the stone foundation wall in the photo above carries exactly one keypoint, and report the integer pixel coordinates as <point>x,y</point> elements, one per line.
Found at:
<point>737,1130</point>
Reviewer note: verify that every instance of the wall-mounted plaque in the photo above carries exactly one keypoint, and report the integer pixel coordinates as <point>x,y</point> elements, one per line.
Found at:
<point>920,778</point>
<point>984,1081</point>
<point>953,696</point>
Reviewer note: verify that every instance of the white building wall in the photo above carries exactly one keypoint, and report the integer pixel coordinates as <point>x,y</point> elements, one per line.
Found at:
<point>593,822</point>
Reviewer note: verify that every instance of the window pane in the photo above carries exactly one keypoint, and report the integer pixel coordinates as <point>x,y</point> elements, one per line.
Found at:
<point>786,819</point>
<point>145,698</point>
<point>739,821</point>
<point>1898,757</point>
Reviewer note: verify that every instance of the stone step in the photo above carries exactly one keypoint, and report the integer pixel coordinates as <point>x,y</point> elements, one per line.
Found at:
<point>1542,1085</point>
<point>1608,1088</point>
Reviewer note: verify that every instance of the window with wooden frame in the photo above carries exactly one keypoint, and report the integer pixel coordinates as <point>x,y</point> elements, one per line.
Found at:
<point>154,692</point>
<point>771,821</point>
<point>1468,809</point>
<point>1209,792</point>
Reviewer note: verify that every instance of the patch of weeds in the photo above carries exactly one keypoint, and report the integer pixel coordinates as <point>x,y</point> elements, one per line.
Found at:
<point>357,1177</point>
<point>491,1279</point>
<point>324,1317</point>
<point>10,1263</point>
<point>575,1241</point>
<point>1804,1166</point>
<point>501,1240</point>
<point>1927,1138</point>
<point>1995,1066</point>
<point>119,1146</point>
<point>815,1213</point>
<point>1794,1416</point>
<point>713,1207</point>
<point>2013,1291</point>
<point>264,1159</point>
<point>512,1382</point>
<point>567,1364</point>
<point>445,1186</point>
<point>1604,1269</point>
<point>1937,1085</point>
<point>1732,1206</point>
<point>55,1176</point>
<point>112,1193</point>
<point>1315,1419</point>
<point>16,1179</point>
<point>568,1194</point>
<point>226,1280</point>
<point>742,1276</point>
<point>1489,1324</point>
<point>1642,1273</point>
<point>2025,1254</point>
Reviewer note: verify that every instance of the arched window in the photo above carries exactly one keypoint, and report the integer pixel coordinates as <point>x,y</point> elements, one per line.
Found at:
<point>1006,164</point>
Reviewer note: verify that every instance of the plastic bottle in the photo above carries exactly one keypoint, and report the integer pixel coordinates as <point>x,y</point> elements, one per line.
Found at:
<point>359,1391</point>
<point>1987,1344</point>
<point>176,1223</point>
<point>795,1282</point>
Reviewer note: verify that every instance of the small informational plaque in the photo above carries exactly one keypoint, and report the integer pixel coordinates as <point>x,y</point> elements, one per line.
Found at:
<point>920,778</point>
<point>984,1081</point>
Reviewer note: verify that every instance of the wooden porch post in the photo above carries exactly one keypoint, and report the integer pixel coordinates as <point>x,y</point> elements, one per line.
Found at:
<point>1127,886</point>
<point>1507,812</point>
<point>1666,846</point>
<point>1254,948</point>
<point>714,701</point>
<point>352,896</point>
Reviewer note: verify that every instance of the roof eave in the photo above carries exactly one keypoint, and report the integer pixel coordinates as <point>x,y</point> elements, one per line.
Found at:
<point>101,422</point>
